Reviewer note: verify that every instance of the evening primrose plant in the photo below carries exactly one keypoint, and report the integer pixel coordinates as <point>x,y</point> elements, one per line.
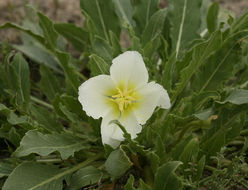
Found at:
<point>141,96</point>
<point>125,96</point>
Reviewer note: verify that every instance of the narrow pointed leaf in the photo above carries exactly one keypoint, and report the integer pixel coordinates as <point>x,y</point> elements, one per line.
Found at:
<point>185,20</point>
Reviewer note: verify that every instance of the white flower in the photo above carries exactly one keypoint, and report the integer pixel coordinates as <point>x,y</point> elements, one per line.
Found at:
<point>125,96</point>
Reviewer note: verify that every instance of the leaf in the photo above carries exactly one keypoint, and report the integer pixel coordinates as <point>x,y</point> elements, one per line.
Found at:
<point>167,73</point>
<point>130,184</point>
<point>185,20</point>
<point>117,163</point>
<point>5,169</point>
<point>103,16</point>
<point>237,96</point>
<point>116,46</point>
<point>72,80</point>
<point>38,37</point>
<point>22,80</point>
<point>84,177</point>
<point>165,177</point>
<point>49,84</point>
<point>240,24</point>
<point>48,30</point>
<point>74,34</point>
<point>154,27</point>
<point>204,114</point>
<point>39,54</point>
<point>36,142</point>
<point>198,54</point>
<point>200,168</point>
<point>34,176</point>
<point>143,10</point>
<point>218,68</point>
<point>98,65</point>
<point>102,48</point>
<point>46,121</point>
<point>224,129</point>
<point>124,10</point>
<point>212,17</point>
<point>190,152</point>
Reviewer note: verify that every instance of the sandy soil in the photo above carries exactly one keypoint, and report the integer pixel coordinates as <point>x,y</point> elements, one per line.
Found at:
<point>62,11</point>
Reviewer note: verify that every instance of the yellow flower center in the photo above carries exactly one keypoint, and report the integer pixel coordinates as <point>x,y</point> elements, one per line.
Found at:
<point>123,98</point>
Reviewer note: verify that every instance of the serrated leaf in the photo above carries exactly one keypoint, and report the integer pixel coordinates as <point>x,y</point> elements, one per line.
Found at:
<point>117,163</point>
<point>77,36</point>
<point>84,177</point>
<point>98,65</point>
<point>165,178</point>
<point>196,58</point>
<point>212,17</point>
<point>34,176</point>
<point>49,84</point>
<point>185,20</point>
<point>36,142</point>
<point>103,16</point>
<point>154,26</point>
<point>218,68</point>
<point>143,10</point>
<point>237,96</point>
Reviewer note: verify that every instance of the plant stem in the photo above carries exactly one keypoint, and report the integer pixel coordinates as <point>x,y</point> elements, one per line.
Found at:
<point>41,102</point>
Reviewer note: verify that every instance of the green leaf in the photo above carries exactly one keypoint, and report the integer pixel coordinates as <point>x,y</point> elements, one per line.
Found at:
<point>219,67</point>
<point>102,48</point>
<point>39,54</point>
<point>85,176</point>
<point>240,24</point>
<point>38,37</point>
<point>212,17</point>
<point>34,176</point>
<point>74,34</point>
<point>71,74</point>
<point>130,184</point>
<point>22,80</point>
<point>165,178</point>
<point>167,73</point>
<point>98,65</point>
<point>116,46</point>
<point>5,169</point>
<point>190,152</point>
<point>48,30</point>
<point>237,96</point>
<point>185,20</point>
<point>117,163</point>
<point>103,16</point>
<point>200,168</point>
<point>195,58</point>
<point>46,121</point>
<point>36,142</point>
<point>143,10</point>
<point>154,27</point>
<point>124,10</point>
<point>49,84</point>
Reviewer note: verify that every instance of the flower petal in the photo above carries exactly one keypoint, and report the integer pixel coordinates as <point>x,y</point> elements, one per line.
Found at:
<point>92,95</point>
<point>129,67</point>
<point>153,95</point>
<point>113,135</point>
